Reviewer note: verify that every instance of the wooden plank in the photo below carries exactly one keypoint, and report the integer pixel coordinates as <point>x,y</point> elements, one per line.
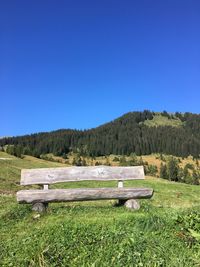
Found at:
<point>60,195</point>
<point>71,174</point>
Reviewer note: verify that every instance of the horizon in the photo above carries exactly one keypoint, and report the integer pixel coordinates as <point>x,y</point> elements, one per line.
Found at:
<point>87,129</point>
<point>75,65</point>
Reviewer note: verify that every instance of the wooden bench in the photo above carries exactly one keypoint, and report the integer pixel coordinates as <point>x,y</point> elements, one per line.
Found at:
<point>47,176</point>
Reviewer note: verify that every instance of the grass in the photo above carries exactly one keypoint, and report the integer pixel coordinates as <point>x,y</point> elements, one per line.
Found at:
<point>10,169</point>
<point>159,120</point>
<point>96,233</point>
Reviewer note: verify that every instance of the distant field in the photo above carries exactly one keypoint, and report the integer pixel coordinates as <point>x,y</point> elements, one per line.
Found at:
<point>96,233</point>
<point>153,159</point>
<point>159,120</point>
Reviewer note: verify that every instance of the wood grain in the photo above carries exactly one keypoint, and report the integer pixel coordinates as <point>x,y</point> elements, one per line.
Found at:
<point>61,195</point>
<point>70,174</point>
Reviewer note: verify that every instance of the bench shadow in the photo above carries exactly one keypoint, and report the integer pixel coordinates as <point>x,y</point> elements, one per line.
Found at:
<point>83,206</point>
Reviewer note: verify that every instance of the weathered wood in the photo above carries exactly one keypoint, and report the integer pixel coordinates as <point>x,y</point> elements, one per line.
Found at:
<point>69,174</point>
<point>60,195</point>
<point>132,204</point>
<point>39,207</point>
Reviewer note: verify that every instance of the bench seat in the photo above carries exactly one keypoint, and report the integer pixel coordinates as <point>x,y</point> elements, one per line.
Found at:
<point>63,195</point>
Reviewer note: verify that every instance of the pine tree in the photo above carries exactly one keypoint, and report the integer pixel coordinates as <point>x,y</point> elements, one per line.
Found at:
<point>84,162</point>
<point>122,161</point>
<point>172,169</point>
<point>196,177</point>
<point>163,171</point>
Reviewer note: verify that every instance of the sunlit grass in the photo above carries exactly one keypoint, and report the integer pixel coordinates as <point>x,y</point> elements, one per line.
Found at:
<point>96,233</point>
<point>159,120</point>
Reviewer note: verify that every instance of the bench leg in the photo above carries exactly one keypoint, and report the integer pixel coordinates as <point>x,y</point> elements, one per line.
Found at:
<point>132,204</point>
<point>39,207</point>
<point>129,204</point>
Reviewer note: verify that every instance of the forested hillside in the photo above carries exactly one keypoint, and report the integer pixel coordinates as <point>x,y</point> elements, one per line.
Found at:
<point>140,132</point>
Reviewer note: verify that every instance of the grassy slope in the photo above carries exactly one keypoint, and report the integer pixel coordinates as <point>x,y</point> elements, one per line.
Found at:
<point>95,233</point>
<point>159,120</point>
<point>10,169</point>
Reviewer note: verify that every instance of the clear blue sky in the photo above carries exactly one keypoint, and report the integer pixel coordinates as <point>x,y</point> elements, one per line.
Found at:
<point>78,64</point>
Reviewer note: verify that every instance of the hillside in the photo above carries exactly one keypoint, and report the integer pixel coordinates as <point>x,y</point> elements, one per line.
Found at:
<point>160,120</point>
<point>10,170</point>
<point>143,133</point>
<point>96,233</point>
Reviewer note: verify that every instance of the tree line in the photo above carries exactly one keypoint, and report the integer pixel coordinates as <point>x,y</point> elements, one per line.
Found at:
<point>123,136</point>
<point>172,171</point>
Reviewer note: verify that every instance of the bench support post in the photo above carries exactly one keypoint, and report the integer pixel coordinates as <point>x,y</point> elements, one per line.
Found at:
<point>120,184</point>
<point>121,201</point>
<point>46,187</point>
<point>132,204</point>
<point>39,207</point>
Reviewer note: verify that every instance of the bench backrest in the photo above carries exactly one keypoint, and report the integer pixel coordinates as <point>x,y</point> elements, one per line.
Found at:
<point>46,176</point>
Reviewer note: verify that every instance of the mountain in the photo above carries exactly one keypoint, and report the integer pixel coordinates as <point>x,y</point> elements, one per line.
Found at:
<point>140,132</point>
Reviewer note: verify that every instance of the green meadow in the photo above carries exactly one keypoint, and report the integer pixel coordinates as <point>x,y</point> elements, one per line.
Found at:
<point>164,232</point>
